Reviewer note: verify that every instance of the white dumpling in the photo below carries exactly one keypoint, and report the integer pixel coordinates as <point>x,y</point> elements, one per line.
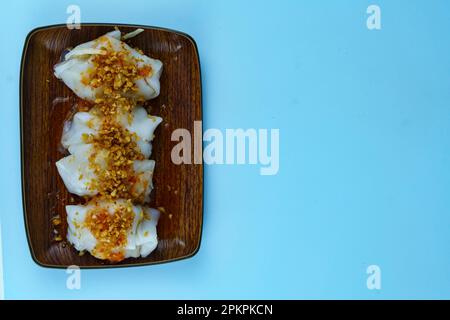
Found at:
<point>144,125</point>
<point>142,236</point>
<point>77,174</point>
<point>82,123</point>
<point>79,61</point>
<point>140,123</point>
<point>80,237</point>
<point>147,237</point>
<point>144,182</point>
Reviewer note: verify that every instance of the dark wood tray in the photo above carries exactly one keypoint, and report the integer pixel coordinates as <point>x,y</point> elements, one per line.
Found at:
<point>45,102</point>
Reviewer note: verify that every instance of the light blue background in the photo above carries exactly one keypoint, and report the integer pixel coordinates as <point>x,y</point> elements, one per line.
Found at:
<point>364,161</point>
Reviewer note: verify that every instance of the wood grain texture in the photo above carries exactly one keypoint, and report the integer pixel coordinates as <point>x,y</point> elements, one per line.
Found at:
<point>45,104</point>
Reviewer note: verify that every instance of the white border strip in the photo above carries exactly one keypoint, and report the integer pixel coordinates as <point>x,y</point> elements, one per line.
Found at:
<point>2,289</point>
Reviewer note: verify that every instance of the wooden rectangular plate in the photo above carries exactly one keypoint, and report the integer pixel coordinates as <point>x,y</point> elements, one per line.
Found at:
<point>45,103</point>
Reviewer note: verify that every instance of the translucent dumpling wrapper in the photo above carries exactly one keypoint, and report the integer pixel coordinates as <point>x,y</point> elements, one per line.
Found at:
<point>79,176</point>
<point>87,225</point>
<point>78,62</point>
<point>86,123</point>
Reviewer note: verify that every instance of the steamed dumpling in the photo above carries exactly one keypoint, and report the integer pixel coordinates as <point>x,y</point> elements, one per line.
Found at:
<point>87,223</point>
<point>77,173</point>
<point>79,62</point>
<point>140,123</point>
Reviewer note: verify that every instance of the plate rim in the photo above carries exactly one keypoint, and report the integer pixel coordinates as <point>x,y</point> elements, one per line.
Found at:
<point>22,176</point>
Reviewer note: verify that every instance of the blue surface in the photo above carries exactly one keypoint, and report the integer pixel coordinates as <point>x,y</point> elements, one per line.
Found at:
<point>364,151</point>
